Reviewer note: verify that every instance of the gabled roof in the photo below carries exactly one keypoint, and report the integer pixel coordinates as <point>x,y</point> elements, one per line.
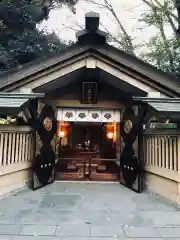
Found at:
<point>92,42</point>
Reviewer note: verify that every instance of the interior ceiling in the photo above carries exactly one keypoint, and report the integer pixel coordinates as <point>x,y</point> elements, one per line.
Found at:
<point>81,74</point>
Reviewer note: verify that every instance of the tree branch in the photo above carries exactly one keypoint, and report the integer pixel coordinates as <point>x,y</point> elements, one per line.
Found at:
<point>115,39</point>
<point>126,35</point>
<point>168,14</point>
<point>80,27</point>
<point>160,5</point>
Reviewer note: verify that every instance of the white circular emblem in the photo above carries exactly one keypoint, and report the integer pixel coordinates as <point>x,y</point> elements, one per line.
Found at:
<point>128,126</point>
<point>47,124</point>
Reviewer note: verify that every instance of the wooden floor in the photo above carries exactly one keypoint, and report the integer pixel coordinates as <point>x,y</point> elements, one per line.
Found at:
<point>94,177</point>
<point>97,170</point>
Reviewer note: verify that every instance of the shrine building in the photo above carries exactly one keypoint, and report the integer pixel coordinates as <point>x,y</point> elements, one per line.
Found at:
<point>90,113</point>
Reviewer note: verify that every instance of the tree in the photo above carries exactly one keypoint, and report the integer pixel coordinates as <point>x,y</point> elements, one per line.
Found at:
<point>20,41</point>
<point>177,6</point>
<point>164,47</point>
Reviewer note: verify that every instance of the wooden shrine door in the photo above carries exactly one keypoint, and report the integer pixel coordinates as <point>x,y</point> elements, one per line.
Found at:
<point>131,163</point>
<point>42,118</point>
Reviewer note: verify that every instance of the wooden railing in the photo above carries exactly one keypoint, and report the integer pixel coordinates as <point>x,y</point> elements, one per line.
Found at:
<point>16,148</point>
<point>162,152</point>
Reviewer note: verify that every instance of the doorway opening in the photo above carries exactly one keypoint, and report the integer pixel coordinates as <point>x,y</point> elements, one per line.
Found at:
<point>87,151</point>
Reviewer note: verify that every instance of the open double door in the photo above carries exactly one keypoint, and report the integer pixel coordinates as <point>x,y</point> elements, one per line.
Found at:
<point>43,120</point>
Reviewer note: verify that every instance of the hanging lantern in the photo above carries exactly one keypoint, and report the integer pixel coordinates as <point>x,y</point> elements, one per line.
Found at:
<point>110,131</point>
<point>110,135</point>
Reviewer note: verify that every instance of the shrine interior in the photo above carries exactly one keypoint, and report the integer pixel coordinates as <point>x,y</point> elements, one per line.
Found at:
<point>87,150</point>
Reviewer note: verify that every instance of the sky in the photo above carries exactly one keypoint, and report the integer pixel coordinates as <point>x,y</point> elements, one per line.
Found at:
<point>63,22</point>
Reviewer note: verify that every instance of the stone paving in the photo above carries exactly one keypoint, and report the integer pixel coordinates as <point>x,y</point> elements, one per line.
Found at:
<point>82,211</point>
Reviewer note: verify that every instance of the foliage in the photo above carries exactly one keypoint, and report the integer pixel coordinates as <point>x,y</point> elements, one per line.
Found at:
<point>163,49</point>
<point>20,41</point>
<point>163,125</point>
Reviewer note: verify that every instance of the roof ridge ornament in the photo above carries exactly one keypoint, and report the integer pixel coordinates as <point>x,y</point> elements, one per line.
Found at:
<point>91,34</point>
<point>92,21</point>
